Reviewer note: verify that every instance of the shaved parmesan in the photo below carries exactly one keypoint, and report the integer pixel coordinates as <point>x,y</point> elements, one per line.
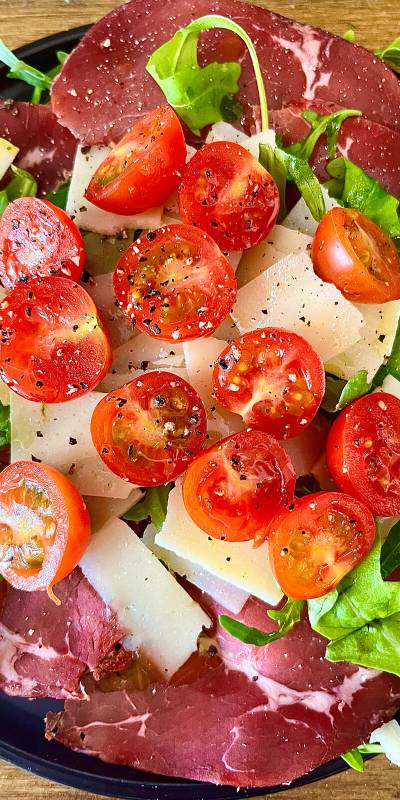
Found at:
<point>144,351</point>
<point>8,152</point>
<point>4,393</point>
<point>159,617</point>
<point>238,563</point>
<point>279,243</point>
<point>388,735</point>
<point>290,295</point>
<point>300,217</point>
<point>102,508</point>
<point>101,290</point>
<point>225,132</point>
<point>391,385</point>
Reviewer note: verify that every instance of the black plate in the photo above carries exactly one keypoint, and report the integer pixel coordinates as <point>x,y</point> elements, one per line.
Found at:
<point>21,721</point>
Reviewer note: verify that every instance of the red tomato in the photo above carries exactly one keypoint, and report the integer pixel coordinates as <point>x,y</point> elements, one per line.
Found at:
<point>44,526</point>
<point>273,378</point>
<point>175,283</point>
<point>363,452</point>
<point>350,251</point>
<point>149,430</point>
<point>314,544</point>
<point>37,238</point>
<point>234,489</point>
<point>226,192</point>
<point>53,346</point>
<point>144,168</point>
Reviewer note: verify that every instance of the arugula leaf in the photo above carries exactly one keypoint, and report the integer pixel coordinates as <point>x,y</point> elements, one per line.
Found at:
<point>21,70</point>
<point>200,95</point>
<point>354,758</point>
<point>23,184</point>
<point>391,54</point>
<point>286,617</point>
<point>390,552</point>
<point>349,35</point>
<point>153,505</point>
<point>339,393</point>
<point>52,73</point>
<point>285,166</point>
<point>5,430</point>
<point>60,195</point>
<point>392,365</point>
<point>328,124</point>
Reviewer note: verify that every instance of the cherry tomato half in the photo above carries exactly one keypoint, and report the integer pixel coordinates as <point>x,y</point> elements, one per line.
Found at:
<point>314,544</point>
<point>38,239</point>
<point>363,452</point>
<point>228,193</point>
<point>144,168</point>
<point>175,283</point>
<point>149,430</point>
<point>233,490</point>
<point>273,378</point>
<point>44,526</point>
<point>350,251</point>
<point>53,346</point>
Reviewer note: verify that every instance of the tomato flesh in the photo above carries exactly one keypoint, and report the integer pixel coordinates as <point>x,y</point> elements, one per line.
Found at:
<point>273,378</point>
<point>363,452</point>
<point>234,489</point>
<point>175,283</point>
<point>149,430</point>
<point>314,544</point>
<point>350,251</point>
<point>53,346</point>
<point>44,526</point>
<point>38,239</point>
<point>144,168</point>
<point>226,192</point>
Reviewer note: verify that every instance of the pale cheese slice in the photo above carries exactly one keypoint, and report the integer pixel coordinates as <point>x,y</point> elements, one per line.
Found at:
<point>300,217</point>
<point>279,243</point>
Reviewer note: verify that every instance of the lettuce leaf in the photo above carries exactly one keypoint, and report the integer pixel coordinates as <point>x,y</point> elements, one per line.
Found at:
<point>5,430</point>
<point>286,617</point>
<point>153,506</point>
<point>283,167</point>
<point>23,184</point>
<point>339,393</point>
<point>328,124</point>
<point>391,54</point>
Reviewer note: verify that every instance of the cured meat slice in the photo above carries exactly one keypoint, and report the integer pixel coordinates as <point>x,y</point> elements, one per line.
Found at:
<point>103,86</point>
<point>249,717</point>
<point>372,146</point>
<point>45,649</point>
<point>46,148</point>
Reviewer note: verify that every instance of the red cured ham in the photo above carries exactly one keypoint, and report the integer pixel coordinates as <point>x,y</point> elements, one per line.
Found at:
<point>103,86</point>
<point>47,149</point>
<point>250,717</point>
<point>45,649</point>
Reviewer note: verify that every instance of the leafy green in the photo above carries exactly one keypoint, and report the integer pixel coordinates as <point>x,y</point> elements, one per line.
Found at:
<point>354,758</point>
<point>328,124</point>
<point>5,430</point>
<point>285,166</point>
<point>22,71</point>
<point>339,393</point>
<point>390,552</point>
<point>59,196</point>
<point>201,95</point>
<point>392,365</point>
<point>37,94</point>
<point>349,35</point>
<point>391,54</point>
<point>153,505</point>
<point>23,184</point>
<point>286,617</point>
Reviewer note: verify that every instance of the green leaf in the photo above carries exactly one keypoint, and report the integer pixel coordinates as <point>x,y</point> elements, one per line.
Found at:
<point>328,124</point>
<point>286,617</point>
<point>5,430</point>
<point>21,70</point>
<point>202,95</point>
<point>354,759</point>
<point>391,54</point>
<point>392,365</point>
<point>390,552</point>
<point>349,35</point>
<point>285,166</point>
<point>51,74</point>
<point>339,393</point>
<point>153,505</point>
<point>23,184</point>
<point>60,195</point>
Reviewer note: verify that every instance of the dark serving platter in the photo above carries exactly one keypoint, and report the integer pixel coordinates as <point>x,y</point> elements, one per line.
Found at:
<point>21,721</point>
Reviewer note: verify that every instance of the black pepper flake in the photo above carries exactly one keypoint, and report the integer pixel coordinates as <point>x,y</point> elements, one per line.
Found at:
<point>150,236</point>
<point>39,434</point>
<point>37,460</point>
<point>72,440</point>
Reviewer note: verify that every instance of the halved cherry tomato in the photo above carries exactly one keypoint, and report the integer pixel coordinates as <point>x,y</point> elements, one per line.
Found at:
<point>149,430</point>
<point>53,346</point>
<point>175,283</point>
<point>314,544</point>
<point>350,251</point>
<point>38,239</point>
<point>144,168</point>
<point>233,490</point>
<point>363,452</point>
<point>273,378</point>
<point>44,526</point>
<point>228,193</point>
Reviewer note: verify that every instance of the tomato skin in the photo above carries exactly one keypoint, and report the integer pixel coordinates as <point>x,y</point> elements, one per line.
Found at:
<point>38,239</point>
<point>273,378</point>
<point>342,236</point>
<point>150,429</point>
<point>64,508</point>
<point>175,283</point>
<point>143,168</point>
<point>315,543</point>
<point>363,452</point>
<point>226,192</point>
<point>234,489</point>
<point>53,346</point>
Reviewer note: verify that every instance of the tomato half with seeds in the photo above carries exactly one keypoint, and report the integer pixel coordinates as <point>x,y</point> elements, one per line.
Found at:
<point>314,544</point>
<point>175,283</point>
<point>53,346</point>
<point>350,251</point>
<point>144,168</point>
<point>273,378</point>
<point>44,526</point>
<point>38,239</point>
<point>233,490</point>
<point>363,452</point>
<point>149,430</point>
<point>226,192</point>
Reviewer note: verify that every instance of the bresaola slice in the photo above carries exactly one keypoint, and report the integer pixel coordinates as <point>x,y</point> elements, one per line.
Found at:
<point>250,717</point>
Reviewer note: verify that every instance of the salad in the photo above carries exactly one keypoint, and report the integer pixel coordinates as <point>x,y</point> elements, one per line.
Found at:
<point>200,393</point>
